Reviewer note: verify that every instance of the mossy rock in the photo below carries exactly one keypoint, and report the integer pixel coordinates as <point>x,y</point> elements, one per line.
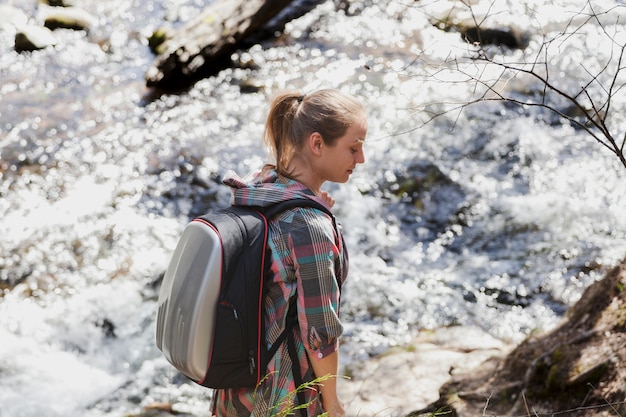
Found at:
<point>577,366</point>
<point>158,38</point>
<point>69,18</point>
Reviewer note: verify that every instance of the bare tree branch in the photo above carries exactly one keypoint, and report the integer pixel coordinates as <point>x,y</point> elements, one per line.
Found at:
<point>592,102</point>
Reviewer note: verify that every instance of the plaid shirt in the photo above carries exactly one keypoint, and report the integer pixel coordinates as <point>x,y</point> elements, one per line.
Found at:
<point>307,260</point>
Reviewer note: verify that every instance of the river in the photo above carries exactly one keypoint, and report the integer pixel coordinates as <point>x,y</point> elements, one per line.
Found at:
<point>496,216</point>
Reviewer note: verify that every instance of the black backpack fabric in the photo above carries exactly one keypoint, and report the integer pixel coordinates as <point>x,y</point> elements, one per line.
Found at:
<point>230,338</point>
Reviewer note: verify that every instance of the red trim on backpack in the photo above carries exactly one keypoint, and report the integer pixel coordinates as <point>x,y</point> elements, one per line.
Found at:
<point>261,292</point>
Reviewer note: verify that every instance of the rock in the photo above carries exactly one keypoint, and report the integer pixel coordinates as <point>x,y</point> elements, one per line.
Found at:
<point>59,3</point>
<point>202,46</point>
<point>410,376</point>
<point>31,38</point>
<point>276,25</point>
<point>487,32</point>
<point>508,36</point>
<point>158,38</point>
<point>251,85</point>
<point>433,196</point>
<point>69,18</point>
<point>579,366</point>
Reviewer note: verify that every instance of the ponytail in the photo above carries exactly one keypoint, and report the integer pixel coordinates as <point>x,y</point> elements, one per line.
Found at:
<point>293,117</point>
<point>278,136</point>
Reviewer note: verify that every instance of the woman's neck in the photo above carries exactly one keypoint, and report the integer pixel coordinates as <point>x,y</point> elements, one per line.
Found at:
<point>304,173</point>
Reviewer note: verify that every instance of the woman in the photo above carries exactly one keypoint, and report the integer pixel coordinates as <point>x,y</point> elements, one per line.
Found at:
<point>314,138</point>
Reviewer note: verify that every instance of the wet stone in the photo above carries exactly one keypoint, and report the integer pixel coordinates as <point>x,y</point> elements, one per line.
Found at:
<point>59,3</point>
<point>69,18</point>
<point>31,38</point>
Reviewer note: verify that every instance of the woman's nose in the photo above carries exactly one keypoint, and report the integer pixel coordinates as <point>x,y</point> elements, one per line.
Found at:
<point>360,157</point>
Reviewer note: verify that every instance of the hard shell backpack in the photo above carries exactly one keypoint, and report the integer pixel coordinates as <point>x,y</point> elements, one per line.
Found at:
<point>210,322</point>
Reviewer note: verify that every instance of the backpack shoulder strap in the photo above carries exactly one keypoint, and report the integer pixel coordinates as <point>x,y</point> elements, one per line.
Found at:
<point>277,208</point>
<point>273,210</point>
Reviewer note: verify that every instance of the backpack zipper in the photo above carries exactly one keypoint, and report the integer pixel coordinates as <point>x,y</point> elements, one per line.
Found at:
<point>251,362</point>
<point>231,308</point>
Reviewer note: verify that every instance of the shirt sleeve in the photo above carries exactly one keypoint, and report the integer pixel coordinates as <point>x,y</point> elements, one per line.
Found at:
<point>315,257</point>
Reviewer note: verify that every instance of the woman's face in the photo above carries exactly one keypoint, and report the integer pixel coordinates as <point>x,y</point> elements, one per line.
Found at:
<point>340,159</point>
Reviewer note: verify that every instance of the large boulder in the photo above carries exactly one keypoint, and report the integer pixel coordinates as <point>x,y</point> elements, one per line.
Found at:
<point>201,46</point>
<point>577,368</point>
<point>204,45</point>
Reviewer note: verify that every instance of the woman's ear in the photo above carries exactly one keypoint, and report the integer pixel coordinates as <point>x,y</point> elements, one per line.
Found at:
<point>316,142</point>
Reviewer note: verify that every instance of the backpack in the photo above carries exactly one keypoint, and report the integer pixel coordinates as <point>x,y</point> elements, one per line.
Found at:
<point>210,307</point>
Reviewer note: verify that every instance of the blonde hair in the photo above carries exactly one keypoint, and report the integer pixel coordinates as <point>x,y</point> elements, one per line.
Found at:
<point>293,117</point>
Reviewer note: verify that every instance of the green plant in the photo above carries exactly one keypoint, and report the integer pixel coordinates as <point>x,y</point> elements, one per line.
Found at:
<point>286,408</point>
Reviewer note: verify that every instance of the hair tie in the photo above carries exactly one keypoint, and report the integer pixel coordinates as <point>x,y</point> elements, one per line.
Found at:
<point>299,99</point>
